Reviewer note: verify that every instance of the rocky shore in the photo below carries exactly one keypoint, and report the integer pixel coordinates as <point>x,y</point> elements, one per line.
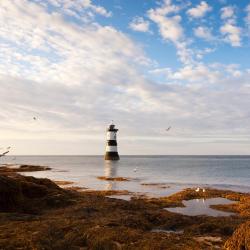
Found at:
<point>38,214</point>
<point>21,168</point>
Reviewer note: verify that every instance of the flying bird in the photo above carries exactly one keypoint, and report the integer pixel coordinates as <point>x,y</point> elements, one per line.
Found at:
<point>5,153</point>
<point>34,118</point>
<point>168,128</point>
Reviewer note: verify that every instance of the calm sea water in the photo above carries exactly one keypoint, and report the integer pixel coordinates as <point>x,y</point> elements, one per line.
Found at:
<point>178,172</point>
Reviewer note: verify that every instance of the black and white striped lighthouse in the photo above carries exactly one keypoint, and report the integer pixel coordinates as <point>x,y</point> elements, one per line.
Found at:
<point>111,145</point>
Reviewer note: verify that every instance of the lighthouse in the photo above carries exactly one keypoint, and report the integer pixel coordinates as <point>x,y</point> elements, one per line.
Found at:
<point>111,145</point>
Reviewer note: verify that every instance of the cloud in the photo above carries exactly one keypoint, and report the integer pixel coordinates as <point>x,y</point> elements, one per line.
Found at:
<point>170,28</point>
<point>200,10</point>
<point>192,74</point>
<point>71,70</point>
<point>139,24</point>
<point>230,31</point>
<point>80,9</point>
<point>202,74</point>
<point>47,48</point>
<point>76,77</point>
<point>232,34</point>
<point>227,12</point>
<point>201,52</point>
<point>204,33</point>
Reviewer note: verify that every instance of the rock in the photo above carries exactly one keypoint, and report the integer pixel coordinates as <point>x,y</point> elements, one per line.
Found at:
<point>10,194</point>
<point>104,178</point>
<point>22,168</point>
<point>28,194</point>
<point>240,240</point>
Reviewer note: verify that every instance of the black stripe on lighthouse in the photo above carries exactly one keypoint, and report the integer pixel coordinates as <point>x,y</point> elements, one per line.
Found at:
<point>112,143</point>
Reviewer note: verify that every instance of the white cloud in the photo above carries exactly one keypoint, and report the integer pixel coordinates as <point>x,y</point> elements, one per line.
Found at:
<point>232,34</point>
<point>204,33</point>
<point>49,49</point>
<point>200,74</point>
<point>80,9</point>
<point>227,12</point>
<point>200,10</point>
<point>201,52</point>
<point>66,73</point>
<point>230,31</point>
<point>76,78</point>
<point>139,24</point>
<point>170,28</point>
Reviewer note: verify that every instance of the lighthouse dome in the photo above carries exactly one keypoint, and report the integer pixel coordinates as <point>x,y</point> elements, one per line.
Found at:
<point>112,128</point>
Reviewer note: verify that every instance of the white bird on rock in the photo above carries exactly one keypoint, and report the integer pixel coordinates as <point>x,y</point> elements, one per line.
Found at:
<point>197,189</point>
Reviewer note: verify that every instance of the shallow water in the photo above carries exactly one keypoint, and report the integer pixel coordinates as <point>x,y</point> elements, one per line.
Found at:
<point>167,231</point>
<point>177,172</point>
<point>125,197</point>
<point>202,207</point>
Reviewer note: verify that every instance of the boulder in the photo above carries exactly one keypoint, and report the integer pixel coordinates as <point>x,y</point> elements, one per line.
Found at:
<point>240,240</point>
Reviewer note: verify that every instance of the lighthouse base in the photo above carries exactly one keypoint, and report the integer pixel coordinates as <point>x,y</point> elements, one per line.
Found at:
<point>112,156</point>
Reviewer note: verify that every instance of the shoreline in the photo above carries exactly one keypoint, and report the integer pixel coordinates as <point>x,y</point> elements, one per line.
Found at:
<point>90,219</point>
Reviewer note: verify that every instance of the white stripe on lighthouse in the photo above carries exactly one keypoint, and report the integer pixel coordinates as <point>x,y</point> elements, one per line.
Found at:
<point>111,135</point>
<point>111,148</point>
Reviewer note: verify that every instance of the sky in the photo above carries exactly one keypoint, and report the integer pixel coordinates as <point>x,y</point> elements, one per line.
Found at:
<point>145,64</point>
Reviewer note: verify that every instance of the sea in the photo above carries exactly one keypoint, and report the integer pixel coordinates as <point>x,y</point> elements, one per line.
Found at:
<point>163,175</point>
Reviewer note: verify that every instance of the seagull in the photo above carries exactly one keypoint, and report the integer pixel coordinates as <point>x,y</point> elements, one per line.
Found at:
<point>3,154</point>
<point>197,189</point>
<point>168,128</point>
<point>135,170</point>
<point>203,190</point>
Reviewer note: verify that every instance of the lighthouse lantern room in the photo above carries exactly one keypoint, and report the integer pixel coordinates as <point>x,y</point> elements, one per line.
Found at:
<point>111,145</point>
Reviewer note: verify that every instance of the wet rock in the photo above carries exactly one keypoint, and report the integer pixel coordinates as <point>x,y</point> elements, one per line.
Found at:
<point>22,168</point>
<point>104,178</point>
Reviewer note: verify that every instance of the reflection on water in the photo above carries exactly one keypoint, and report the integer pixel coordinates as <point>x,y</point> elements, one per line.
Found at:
<point>110,171</point>
<point>202,207</point>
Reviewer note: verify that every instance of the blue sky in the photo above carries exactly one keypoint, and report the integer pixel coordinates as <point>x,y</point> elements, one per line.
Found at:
<point>147,65</point>
<point>125,11</point>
